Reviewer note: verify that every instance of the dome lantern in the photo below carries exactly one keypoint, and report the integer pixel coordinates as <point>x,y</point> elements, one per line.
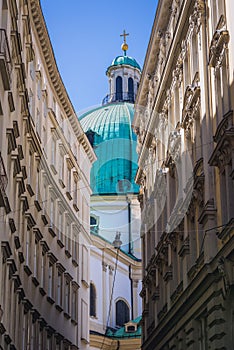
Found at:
<point>124,76</point>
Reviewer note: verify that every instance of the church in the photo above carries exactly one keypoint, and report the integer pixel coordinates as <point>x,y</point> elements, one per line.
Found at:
<point>115,254</point>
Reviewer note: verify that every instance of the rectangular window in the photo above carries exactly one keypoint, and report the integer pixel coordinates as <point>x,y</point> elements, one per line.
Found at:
<point>85,265</point>
<point>61,167</point>
<point>39,89</point>
<point>38,123</point>
<point>50,280</point>
<point>35,270</point>
<point>67,296</point>
<point>84,317</point>
<point>43,265</point>
<point>68,179</point>
<point>54,105</point>
<point>59,288</point>
<point>60,225</point>
<point>53,152</point>
<point>75,193</point>
<point>74,302</point>
<point>45,107</point>
<point>52,211</point>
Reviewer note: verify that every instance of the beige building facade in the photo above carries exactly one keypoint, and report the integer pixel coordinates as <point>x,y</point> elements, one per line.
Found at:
<point>45,162</point>
<point>185,127</point>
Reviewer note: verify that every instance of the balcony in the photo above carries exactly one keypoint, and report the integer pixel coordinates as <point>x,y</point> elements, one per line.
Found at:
<point>119,97</point>
<point>5,60</point>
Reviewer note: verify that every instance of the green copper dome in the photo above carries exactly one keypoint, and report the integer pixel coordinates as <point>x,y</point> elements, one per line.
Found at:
<point>124,60</point>
<point>110,133</point>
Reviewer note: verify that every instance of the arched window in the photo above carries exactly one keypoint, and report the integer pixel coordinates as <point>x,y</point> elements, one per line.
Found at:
<point>119,89</point>
<point>92,310</point>
<point>130,90</point>
<point>122,313</point>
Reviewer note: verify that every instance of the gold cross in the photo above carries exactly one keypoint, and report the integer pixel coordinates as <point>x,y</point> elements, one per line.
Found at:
<point>124,35</point>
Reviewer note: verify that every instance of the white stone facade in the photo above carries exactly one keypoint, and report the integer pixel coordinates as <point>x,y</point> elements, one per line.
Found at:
<point>45,162</point>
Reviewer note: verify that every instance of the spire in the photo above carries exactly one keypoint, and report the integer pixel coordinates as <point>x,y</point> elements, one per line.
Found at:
<point>124,46</point>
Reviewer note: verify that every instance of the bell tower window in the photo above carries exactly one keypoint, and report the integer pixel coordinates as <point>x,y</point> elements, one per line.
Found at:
<point>119,88</point>
<point>130,90</point>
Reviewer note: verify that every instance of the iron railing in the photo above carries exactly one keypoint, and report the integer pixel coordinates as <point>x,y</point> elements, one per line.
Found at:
<point>119,97</point>
<point>5,51</point>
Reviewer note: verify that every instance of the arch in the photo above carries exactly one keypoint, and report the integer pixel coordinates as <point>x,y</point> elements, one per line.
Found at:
<point>130,89</point>
<point>93,298</point>
<point>122,312</point>
<point>119,88</point>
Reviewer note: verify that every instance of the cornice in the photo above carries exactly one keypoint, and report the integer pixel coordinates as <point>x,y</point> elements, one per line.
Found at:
<point>54,75</point>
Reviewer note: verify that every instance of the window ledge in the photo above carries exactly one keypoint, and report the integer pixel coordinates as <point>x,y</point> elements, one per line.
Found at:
<point>61,183</point>
<point>35,281</point>
<point>66,315</point>
<point>60,243</point>
<point>74,322</point>
<point>42,291</point>
<point>27,270</point>
<point>59,308</point>
<point>50,300</point>
<point>68,194</point>
<point>52,167</point>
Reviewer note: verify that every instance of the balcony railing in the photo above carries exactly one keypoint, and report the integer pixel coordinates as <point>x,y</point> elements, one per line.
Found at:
<point>119,97</point>
<point>5,59</point>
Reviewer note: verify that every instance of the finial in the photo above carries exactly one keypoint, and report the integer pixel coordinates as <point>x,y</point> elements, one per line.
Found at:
<point>124,46</point>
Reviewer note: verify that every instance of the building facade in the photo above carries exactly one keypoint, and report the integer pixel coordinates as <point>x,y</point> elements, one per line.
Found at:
<point>185,127</point>
<point>45,162</point>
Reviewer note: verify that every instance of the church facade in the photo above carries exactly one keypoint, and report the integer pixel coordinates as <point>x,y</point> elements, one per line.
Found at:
<point>185,129</point>
<point>115,264</point>
<point>45,162</point>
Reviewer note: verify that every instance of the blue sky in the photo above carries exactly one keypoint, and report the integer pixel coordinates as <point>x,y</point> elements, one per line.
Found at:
<point>85,35</point>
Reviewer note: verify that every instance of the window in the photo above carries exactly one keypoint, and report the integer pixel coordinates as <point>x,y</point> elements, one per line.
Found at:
<point>30,167</point>
<point>119,88</point>
<point>31,103</point>
<point>43,262</point>
<point>84,276</point>
<point>60,225</point>
<point>130,90</point>
<point>53,151</point>
<point>54,105</point>
<point>50,280</point>
<point>84,323</point>
<point>67,296</point>
<point>32,70</point>
<point>45,107</point>
<point>39,89</point>
<point>92,310</point>
<point>38,123</point>
<point>59,288</point>
<point>36,250</point>
<point>122,313</point>
<point>52,212</point>
<point>75,193</point>
<point>74,310</point>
